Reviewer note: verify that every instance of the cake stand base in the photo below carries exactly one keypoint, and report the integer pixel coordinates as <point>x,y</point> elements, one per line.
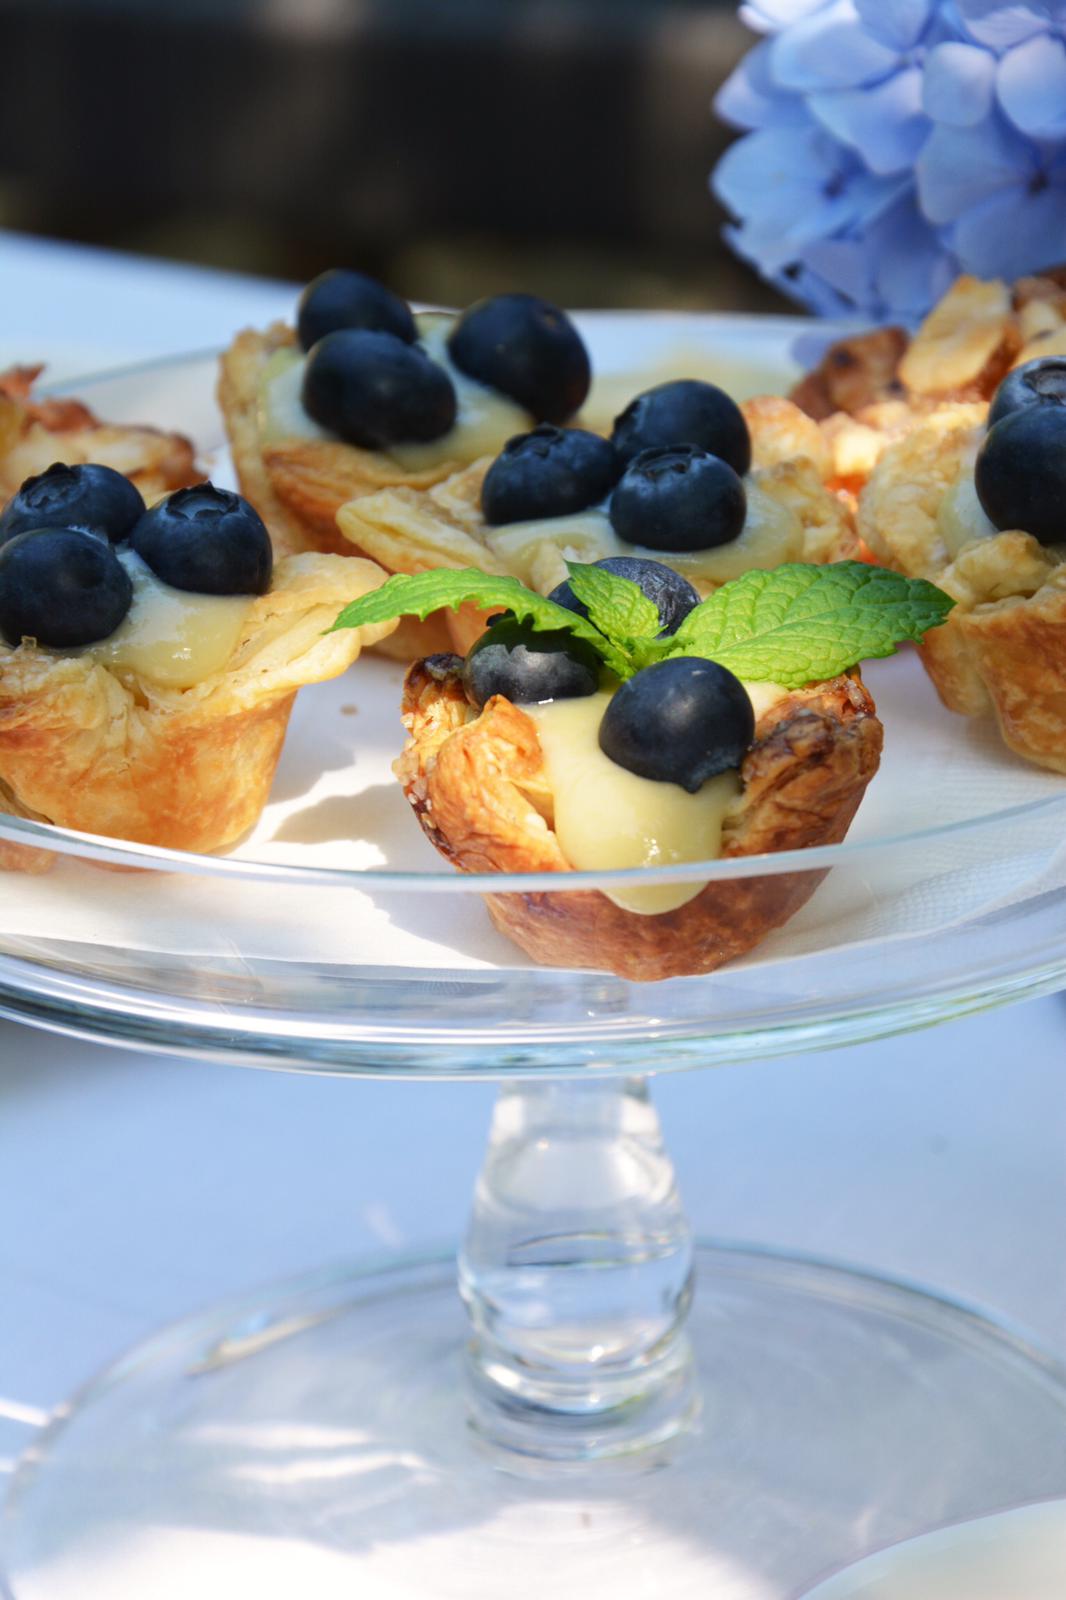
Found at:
<point>314,1441</point>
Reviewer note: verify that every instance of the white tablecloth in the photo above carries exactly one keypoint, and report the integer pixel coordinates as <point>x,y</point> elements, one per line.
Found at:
<point>133,1189</point>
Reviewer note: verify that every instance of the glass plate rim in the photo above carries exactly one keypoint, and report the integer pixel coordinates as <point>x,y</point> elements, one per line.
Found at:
<point>818,858</point>
<point>850,1567</point>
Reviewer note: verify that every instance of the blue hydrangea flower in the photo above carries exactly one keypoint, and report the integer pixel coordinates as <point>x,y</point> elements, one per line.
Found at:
<point>890,144</point>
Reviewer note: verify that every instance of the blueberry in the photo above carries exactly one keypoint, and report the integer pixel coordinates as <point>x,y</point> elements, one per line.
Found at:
<point>1020,472</point>
<point>525,666</point>
<point>551,472</point>
<point>374,390</point>
<point>342,298</point>
<point>87,496</point>
<point>1037,383</point>
<point>527,349</point>
<point>61,588</point>
<point>685,411</point>
<point>680,721</point>
<point>673,595</point>
<point>678,498</point>
<point>207,540</point>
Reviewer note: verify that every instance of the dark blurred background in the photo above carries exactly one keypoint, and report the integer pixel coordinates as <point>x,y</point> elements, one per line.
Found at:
<point>452,147</point>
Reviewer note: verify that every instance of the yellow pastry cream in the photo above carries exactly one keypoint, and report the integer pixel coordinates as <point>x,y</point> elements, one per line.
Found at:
<point>537,552</point>
<point>485,419</point>
<point>1021,563</point>
<point>169,636</point>
<point>960,516</point>
<point>606,817</point>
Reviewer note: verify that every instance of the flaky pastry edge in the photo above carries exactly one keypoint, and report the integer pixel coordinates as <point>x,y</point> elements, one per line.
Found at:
<point>1002,650</point>
<point>187,769</point>
<point>477,784</point>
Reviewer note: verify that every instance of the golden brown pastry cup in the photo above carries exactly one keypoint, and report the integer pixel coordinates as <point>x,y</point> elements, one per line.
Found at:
<point>870,388</point>
<point>1002,650</point>
<point>36,433</point>
<point>477,783</point>
<point>186,769</point>
<point>1009,658</point>
<point>299,485</point>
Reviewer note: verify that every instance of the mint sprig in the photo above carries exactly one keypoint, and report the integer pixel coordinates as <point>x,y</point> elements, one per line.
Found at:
<point>795,625</point>
<point>418,594</point>
<point>800,624</point>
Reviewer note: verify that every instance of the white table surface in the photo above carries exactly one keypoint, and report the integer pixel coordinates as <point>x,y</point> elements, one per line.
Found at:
<point>133,1189</point>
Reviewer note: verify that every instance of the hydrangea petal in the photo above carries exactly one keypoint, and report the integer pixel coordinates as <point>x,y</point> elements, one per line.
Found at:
<point>913,267</point>
<point>960,167</point>
<point>1031,82</point>
<point>749,98</point>
<point>896,142</point>
<point>764,171</point>
<point>959,83</point>
<point>830,49</point>
<point>784,202</point>
<point>885,124</point>
<point>767,16</point>
<point>844,264</point>
<point>808,289</point>
<point>897,23</point>
<point>797,282</point>
<point>1013,233</point>
<point>777,242</point>
<point>999,25</point>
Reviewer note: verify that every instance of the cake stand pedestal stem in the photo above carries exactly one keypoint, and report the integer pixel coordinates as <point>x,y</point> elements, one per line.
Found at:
<point>577,1275</point>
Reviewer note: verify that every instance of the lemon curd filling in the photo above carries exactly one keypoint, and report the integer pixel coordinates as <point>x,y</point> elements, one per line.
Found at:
<point>607,818</point>
<point>961,520</point>
<point>960,516</point>
<point>485,419</point>
<point>169,636</point>
<point>537,552</point>
<point>281,414</point>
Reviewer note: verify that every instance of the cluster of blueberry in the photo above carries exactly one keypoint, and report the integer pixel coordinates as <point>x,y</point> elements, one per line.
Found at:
<point>1020,473</point>
<point>62,581</point>
<point>682,721</point>
<point>672,467</point>
<point>369,380</point>
<point>672,470</point>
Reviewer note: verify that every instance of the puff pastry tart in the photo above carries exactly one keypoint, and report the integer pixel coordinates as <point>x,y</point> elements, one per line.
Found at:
<point>625,724</point>
<point>36,433</point>
<point>870,388</point>
<point>979,510</point>
<point>364,395</point>
<point>712,496</point>
<point>147,671</point>
<point>481,789</point>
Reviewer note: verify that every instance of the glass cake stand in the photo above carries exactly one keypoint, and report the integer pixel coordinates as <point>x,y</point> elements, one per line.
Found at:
<point>605,1406</point>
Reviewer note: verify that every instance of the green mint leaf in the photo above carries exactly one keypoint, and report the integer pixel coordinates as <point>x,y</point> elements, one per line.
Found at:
<point>617,606</point>
<point>646,652</point>
<point>800,624</point>
<point>416,595</point>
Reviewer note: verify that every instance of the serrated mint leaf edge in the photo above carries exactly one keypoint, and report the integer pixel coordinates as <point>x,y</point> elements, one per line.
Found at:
<point>914,607</point>
<point>830,579</point>
<point>447,588</point>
